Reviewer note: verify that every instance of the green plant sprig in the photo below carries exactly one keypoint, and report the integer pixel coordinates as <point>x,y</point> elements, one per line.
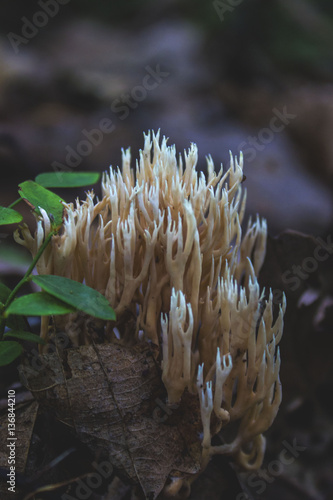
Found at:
<point>59,295</point>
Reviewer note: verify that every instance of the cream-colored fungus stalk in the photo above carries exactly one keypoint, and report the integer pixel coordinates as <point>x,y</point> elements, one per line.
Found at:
<point>165,246</point>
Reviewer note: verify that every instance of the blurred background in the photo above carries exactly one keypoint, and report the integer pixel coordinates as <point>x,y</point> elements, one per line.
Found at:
<point>231,75</point>
<point>80,80</point>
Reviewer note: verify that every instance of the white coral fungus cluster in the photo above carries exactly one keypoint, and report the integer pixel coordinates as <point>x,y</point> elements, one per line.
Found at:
<point>165,246</point>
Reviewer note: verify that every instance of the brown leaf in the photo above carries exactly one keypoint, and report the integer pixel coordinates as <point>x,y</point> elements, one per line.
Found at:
<point>25,416</point>
<point>113,397</point>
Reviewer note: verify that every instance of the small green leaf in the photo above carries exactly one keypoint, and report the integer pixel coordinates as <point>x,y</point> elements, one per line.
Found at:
<point>67,179</point>
<point>9,216</point>
<point>38,197</point>
<point>38,304</point>
<point>14,322</point>
<point>9,350</point>
<point>31,337</point>
<point>4,292</point>
<point>76,294</point>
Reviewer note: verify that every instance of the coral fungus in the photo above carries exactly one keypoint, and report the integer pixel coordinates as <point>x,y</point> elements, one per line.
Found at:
<point>164,244</point>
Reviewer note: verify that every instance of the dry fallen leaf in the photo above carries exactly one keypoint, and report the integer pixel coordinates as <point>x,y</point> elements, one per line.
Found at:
<point>113,397</point>
<point>25,417</point>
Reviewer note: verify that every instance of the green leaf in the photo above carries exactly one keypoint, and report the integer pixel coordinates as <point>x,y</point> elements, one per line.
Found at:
<point>14,322</point>
<point>9,216</point>
<point>77,295</point>
<point>67,179</point>
<point>31,337</point>
<point>39,197</point>
<point>9,350</point>
<point>4,292</point>
<point>38,304</point>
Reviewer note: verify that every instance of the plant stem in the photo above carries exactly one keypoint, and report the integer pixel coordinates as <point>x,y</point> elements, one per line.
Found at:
<point>16,202</point>
<point>24,280</point>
